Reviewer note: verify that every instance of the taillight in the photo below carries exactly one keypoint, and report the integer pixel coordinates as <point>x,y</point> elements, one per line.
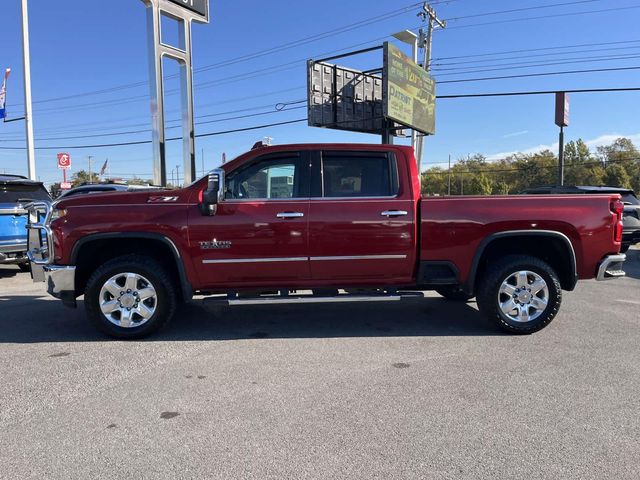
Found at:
<point>617,207</point>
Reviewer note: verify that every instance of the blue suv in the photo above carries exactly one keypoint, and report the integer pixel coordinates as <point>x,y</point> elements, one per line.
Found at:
<point>15,192</point>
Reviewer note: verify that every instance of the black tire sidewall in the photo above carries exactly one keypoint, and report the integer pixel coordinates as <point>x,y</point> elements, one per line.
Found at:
<point>488,293</point>
<point>153,272</point>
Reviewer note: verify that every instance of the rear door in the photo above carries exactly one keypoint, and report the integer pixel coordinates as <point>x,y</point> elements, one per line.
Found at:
<point>259,234</point>
<point>361,218</point>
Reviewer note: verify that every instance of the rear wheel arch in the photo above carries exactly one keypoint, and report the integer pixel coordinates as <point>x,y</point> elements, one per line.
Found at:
<point>553,247</point>
<point>94,250</point>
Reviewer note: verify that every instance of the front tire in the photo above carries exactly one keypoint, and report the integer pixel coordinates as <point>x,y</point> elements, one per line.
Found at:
<point>130,297</point>
<point>521,294</point>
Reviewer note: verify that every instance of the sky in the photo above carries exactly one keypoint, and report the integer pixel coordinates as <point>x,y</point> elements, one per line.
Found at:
<point>89,70</point>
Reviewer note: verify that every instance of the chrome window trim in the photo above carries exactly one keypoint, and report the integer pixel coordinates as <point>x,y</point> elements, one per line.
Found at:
<point>393,197</point>
<point>263,200</point>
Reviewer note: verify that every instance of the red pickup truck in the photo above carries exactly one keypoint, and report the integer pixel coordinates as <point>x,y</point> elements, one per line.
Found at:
<point>343,222</point>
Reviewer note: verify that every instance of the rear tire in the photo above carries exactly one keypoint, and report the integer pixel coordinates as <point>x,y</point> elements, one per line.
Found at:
<point>130,297</point>
<point>521,294</point>
<point>453,293</point>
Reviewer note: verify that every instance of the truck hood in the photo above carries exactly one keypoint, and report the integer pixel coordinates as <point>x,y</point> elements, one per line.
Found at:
<point>125,198</point>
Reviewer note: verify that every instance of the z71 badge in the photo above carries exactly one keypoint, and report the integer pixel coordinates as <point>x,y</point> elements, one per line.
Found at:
<point>214,245</point>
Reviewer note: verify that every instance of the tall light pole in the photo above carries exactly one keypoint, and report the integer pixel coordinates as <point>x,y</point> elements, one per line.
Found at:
<point>429,14</point>
<point>28,111</point>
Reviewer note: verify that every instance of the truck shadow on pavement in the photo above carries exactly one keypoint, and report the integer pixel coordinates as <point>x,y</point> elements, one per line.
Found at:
<point>31,319</point>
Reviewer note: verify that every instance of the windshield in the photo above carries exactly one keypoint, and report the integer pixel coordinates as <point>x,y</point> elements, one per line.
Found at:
<point>22,193</point>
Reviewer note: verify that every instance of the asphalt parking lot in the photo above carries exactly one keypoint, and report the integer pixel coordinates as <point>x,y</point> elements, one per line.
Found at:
<point>422,389</point>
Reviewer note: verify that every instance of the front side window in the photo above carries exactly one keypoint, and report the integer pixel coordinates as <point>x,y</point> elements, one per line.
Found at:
<point>357,176</point>
<point>266,179</point>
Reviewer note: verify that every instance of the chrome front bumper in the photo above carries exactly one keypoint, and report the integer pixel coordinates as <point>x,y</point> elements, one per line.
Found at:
<point>611,267</point>
<point>60,279</point>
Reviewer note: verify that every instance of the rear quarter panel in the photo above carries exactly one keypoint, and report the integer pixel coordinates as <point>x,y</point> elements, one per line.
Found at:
<point>454,227</point>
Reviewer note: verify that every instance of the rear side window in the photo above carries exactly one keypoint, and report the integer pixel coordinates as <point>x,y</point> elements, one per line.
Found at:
<point>358,175</point>
<point>14,193</point>
<point>630,199</point>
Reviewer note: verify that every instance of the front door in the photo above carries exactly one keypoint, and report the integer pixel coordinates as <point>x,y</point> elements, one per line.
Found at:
<point>361,223</point>
<point>259,234</point>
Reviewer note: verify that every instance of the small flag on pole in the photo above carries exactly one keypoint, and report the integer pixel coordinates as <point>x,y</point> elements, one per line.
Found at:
<point>3,94</point>
<point>104,167</point>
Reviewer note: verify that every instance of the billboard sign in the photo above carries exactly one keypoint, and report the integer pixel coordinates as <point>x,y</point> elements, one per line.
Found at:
<point>343,98</point>
<point>64,161</point>
<point>409,92</point>
<point>562,109</point>
<point>199,7</point>
<point>65,186</point>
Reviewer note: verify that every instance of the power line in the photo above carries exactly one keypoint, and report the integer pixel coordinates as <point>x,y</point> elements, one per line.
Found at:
<point>514,10</point>
<point>251,56</point>
<point>547,54</point>
<point>142,142</point>
<point>566,72</point>
<point>539,92</point>
<point>609,56</point>
<point>440,97</point>
<point>515,66</point>
<point>542,17</point>
<point>540,49</point>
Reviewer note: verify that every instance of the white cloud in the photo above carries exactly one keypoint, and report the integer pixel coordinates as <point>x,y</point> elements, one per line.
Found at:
<point>602,140</point>
<point>515,134</point>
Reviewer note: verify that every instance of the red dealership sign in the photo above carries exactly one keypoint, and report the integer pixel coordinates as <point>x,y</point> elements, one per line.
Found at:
<point>64,161</point>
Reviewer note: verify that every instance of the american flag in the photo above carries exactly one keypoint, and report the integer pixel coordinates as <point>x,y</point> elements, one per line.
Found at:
<point>3,94</point>
<point>104,167</point>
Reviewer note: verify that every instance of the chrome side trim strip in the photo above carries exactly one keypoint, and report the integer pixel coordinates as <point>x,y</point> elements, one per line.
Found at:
<point>303,259</point>
<point>362,257</point>
<point>257,260</point>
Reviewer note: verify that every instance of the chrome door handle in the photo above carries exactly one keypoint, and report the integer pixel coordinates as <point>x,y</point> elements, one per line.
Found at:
<point>393,213</point>
<point>290,215</point>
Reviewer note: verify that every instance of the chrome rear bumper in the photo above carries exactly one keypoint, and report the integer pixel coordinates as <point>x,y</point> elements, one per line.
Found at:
<point>611,267</point>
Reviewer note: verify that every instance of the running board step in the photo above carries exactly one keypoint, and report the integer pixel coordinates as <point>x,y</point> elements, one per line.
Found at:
<point>277,300</point>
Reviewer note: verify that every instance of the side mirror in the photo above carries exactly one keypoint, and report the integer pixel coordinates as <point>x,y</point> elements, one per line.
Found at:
<point>214,193</point>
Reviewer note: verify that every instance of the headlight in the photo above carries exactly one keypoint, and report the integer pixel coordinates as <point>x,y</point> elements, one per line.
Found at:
<point>57,213</point>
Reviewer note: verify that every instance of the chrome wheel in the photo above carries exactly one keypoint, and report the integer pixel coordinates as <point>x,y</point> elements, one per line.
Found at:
<point>523,296</point>
<point>128,300</point>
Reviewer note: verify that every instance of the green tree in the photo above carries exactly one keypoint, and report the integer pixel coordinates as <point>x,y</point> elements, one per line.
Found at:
<point>616,176</point>
<point>81,177</point>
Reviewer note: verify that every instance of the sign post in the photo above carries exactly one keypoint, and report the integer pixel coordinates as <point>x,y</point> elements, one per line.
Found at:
<point>64,164</point>
<point>562,120</point>
<point>185,12</point>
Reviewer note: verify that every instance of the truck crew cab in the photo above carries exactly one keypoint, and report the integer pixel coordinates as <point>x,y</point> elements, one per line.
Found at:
<point>341,218</point>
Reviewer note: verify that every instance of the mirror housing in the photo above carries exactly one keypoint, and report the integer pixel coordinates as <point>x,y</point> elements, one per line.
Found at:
<point>214,193</point>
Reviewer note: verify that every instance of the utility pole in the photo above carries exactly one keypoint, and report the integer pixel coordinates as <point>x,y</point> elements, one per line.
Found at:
<point>202,159</point>
<point>425,40</point>
<point>178,175</point>
<point>449,187</point>
<point>90,179</point>
<point>28,111</point>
